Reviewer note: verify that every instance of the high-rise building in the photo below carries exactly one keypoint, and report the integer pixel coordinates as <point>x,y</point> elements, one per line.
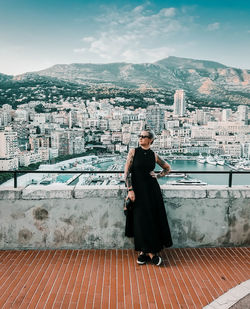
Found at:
<point>226,114</point>
<point>9,144</point>
<point>179,103</point>
<point>243,113</point>
<point>155,118</point>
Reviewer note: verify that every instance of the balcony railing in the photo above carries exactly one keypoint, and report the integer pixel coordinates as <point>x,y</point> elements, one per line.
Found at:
<point>15,173</point>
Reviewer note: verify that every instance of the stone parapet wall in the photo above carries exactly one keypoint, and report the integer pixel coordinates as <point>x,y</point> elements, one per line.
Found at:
<point>58,216</point>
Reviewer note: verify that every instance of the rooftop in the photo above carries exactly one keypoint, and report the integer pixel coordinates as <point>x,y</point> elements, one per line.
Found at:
<point>188,278</point>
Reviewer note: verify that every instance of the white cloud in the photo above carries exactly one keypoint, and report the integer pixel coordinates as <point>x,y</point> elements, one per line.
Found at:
<point>214,26</point>
<point>80,50</point>
<point>146,55</point>
<point>135,35</point>
<point>170,12</point>
<point>88,39</point>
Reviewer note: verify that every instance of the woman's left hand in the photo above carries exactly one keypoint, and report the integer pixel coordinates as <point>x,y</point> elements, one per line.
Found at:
<point>153,174</point>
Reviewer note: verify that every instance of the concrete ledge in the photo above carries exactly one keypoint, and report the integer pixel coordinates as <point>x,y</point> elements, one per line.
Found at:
<point>232,298</point>
<point>239,192</point>
<point>61,191</point>
<point>99,191</point>
<point>217,192</point>
<point>10,193</point>
<point>184,191</point>
<point>47,192</point>
<point>60,216</point>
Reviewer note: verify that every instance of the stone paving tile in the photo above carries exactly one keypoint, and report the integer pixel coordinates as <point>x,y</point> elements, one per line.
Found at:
<point>188,278</point>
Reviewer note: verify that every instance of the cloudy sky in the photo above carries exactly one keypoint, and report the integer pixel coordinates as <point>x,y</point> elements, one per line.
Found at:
<point>37,34</point>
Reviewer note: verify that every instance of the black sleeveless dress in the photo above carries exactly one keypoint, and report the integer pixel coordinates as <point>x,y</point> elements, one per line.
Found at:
<point>150,224</point>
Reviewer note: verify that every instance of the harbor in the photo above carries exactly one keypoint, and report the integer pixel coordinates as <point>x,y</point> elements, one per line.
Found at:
<point>116,163</point>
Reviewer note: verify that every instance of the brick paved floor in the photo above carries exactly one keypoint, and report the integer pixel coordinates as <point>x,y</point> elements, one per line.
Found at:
<point>188,278</point>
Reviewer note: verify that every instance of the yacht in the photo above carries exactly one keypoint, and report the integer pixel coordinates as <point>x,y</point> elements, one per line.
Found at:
<point>104,159</point>
<point>46,181</point>
<point>188,182</point>
<point>114,182</point>
<point>201,159</point>
<point>246,168</point>
<point>220,160</point>
<point>175,175</point>
<point>211,160</point>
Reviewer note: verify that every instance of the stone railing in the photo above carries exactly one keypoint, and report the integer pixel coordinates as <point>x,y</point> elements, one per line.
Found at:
<point>58,216</point>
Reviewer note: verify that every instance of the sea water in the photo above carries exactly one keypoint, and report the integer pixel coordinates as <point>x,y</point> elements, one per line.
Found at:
<point>119,161</point>
<point>193,165</point>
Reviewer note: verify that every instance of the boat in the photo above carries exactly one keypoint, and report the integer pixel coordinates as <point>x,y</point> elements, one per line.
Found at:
<point>201,159</point>
<point>175,175</point>
<point>221,162</point>
<point>114,182</point>
<point>46,181</point>
<point>211,160</point>
<point>246,168</point>
<point>185,182</point>
<point>105,159</point>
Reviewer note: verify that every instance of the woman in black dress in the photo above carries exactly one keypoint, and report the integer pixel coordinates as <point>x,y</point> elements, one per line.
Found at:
<point>150,224</point>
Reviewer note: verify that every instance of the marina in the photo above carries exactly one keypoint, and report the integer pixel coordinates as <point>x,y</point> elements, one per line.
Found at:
<point>116,163</point>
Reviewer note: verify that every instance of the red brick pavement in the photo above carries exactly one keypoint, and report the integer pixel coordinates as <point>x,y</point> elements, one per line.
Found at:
<point>188,278</point>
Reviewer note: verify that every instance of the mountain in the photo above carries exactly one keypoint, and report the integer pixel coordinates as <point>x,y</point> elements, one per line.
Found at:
<point>207,82</point>
<point>199,78</point>
<point>4,78</point>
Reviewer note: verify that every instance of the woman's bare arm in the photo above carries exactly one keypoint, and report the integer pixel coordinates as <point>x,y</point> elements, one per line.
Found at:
<point>127,172</point>
<point>166,167</point>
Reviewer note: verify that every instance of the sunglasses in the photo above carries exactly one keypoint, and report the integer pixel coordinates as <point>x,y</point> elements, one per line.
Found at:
<point>143,136</point>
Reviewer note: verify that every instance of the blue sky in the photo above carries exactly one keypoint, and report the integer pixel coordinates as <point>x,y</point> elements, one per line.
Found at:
<point>37,34</point>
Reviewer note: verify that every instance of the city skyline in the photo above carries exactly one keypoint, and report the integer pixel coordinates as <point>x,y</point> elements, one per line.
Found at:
<point>37,35</point>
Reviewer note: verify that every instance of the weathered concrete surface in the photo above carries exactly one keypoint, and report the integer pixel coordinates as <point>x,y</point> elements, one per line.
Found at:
<point>236,298</point>
<point>92,217</point>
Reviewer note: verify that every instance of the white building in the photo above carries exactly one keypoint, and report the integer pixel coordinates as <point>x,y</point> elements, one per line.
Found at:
<point>76,145</point>
<point>136,126</point>
<point>116,137</point>
<point>40,118</point>
<point>24,158</point>
<point>179,103</point>
<point>8,164</point>
<point>44,153</point>
<point>234,150</point>
<point>106,138</point>
<point>202,131</point>
<point>243,113</point>
<point>172,124</point>
<point>29,157</point>
<point>155,118</point>
<point>226,114</point>
<point>9,144</point>
<point>126,138</point>
<point>103,124</point>
<point>21,115</point>
<point>5,118</point>
<point>115,125</point>
<point>200,117</point>
<point>53,153</point>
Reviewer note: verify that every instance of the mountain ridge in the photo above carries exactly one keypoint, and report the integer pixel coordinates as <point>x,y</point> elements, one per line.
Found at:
<point>202,80</point>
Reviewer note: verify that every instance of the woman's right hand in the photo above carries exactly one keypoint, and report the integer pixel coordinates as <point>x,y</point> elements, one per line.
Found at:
<point>131,195</point>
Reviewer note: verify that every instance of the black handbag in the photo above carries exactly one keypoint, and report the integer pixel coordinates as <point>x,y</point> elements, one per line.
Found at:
<point>128,211</point>
<point>127,206</point>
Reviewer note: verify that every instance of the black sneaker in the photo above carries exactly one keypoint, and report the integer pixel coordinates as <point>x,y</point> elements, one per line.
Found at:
<point>142,259</point>
<point>156,260</point>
